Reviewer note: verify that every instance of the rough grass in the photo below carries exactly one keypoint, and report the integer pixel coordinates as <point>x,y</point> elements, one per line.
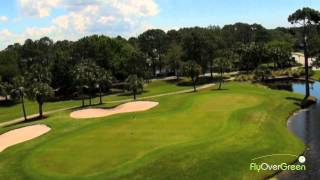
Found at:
<point>316,75</point>
<point>157,87</point>
<point>206,135</point>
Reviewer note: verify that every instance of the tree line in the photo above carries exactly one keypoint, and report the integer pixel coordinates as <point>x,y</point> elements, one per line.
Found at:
<point>43,69</point>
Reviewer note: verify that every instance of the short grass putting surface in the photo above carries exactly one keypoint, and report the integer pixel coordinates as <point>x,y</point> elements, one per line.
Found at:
<point>205,135</point>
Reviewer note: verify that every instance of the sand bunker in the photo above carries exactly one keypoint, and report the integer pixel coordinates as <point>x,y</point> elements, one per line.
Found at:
<point>20,135</point>
<point>123,108</point>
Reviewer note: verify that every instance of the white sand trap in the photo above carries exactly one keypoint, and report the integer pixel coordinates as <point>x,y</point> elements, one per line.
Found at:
<point>123,108</point>
<point>20,135</point>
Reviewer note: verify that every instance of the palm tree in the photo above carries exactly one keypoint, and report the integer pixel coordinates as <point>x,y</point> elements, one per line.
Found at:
<point>103,78</point>
<point>306,17</point>
<point>81,78</point>
<point>18,89</point>
<point>38,79</point>
<point>134,84</point>
<point>222,63</point>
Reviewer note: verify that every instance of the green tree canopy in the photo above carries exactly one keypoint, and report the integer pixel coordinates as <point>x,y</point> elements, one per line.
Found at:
<point>5,90</point>
<point>192,70</point>
<point>306,17</point>
<point>9,66</point>
<point>39,89</point>
<point>174,58</point>
<point>103,80</point>
<point>154,43</point>
<point>134,84</point>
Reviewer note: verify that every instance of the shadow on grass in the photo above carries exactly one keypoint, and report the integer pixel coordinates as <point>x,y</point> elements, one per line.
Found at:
<point>183,82</point>
<point>279,86</point>
<point>103,104</point>
<point>222,89</point>
<point>175,81</point>
<point>98,105</point>
<point>200,81</point>
<point>8,103</point>
<point>29,120</point>
<point>127,94</point>
<point>297,101</point>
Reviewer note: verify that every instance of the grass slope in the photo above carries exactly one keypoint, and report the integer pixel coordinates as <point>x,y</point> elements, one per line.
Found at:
<point>157,87</point>
<point>206,135</point>
<point>316,75</point>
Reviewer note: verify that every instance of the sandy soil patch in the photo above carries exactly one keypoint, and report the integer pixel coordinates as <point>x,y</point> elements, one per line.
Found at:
<point>123,108</point>
<point>20,135</point>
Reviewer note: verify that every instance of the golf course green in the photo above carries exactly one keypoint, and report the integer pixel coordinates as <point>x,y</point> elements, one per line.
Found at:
<point>210,134</point>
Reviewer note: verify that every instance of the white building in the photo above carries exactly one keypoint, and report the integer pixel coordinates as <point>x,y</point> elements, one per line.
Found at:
<point>299,57</point>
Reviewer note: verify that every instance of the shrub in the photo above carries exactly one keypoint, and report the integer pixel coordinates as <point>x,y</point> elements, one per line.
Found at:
<point>244,78</point>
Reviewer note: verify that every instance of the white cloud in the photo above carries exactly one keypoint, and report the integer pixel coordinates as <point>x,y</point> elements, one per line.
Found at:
<point>6,36</point>
<point>148,26</point>
<point>91,9</point>
<point>61,21</point>
<point>39,8</point>
<point>83,17</point>
<point>42,8</point>
<point>3,18</point>
<point>136,7</point>
<point>106,19</point>
<point>38,32</point>
<point>102,16</point>
<point>5,32</point>
<point>79,21</point>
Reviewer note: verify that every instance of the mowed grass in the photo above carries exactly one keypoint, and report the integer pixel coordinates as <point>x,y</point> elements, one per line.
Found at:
<point>156,87</point>
<point>206,135</point>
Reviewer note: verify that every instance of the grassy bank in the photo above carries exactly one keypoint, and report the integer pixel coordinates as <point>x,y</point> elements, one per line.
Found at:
<point>316,75</point>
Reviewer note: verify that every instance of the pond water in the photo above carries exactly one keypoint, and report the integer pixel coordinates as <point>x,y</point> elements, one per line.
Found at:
<point>306,125</point>
<point>300,123</point>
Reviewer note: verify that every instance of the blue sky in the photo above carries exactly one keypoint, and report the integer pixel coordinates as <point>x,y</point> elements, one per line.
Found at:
<point>72,19</point>
<point>270,13</point>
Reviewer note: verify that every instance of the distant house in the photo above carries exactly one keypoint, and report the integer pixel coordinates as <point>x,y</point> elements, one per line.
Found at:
<point>299,57</point>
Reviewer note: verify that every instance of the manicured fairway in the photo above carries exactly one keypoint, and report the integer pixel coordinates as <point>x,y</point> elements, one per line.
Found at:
<point>156,87</point>
<point>206,135</point>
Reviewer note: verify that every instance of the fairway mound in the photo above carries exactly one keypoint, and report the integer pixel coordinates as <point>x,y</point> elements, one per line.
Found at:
<point>20,135</point>
<point>123,108</point>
